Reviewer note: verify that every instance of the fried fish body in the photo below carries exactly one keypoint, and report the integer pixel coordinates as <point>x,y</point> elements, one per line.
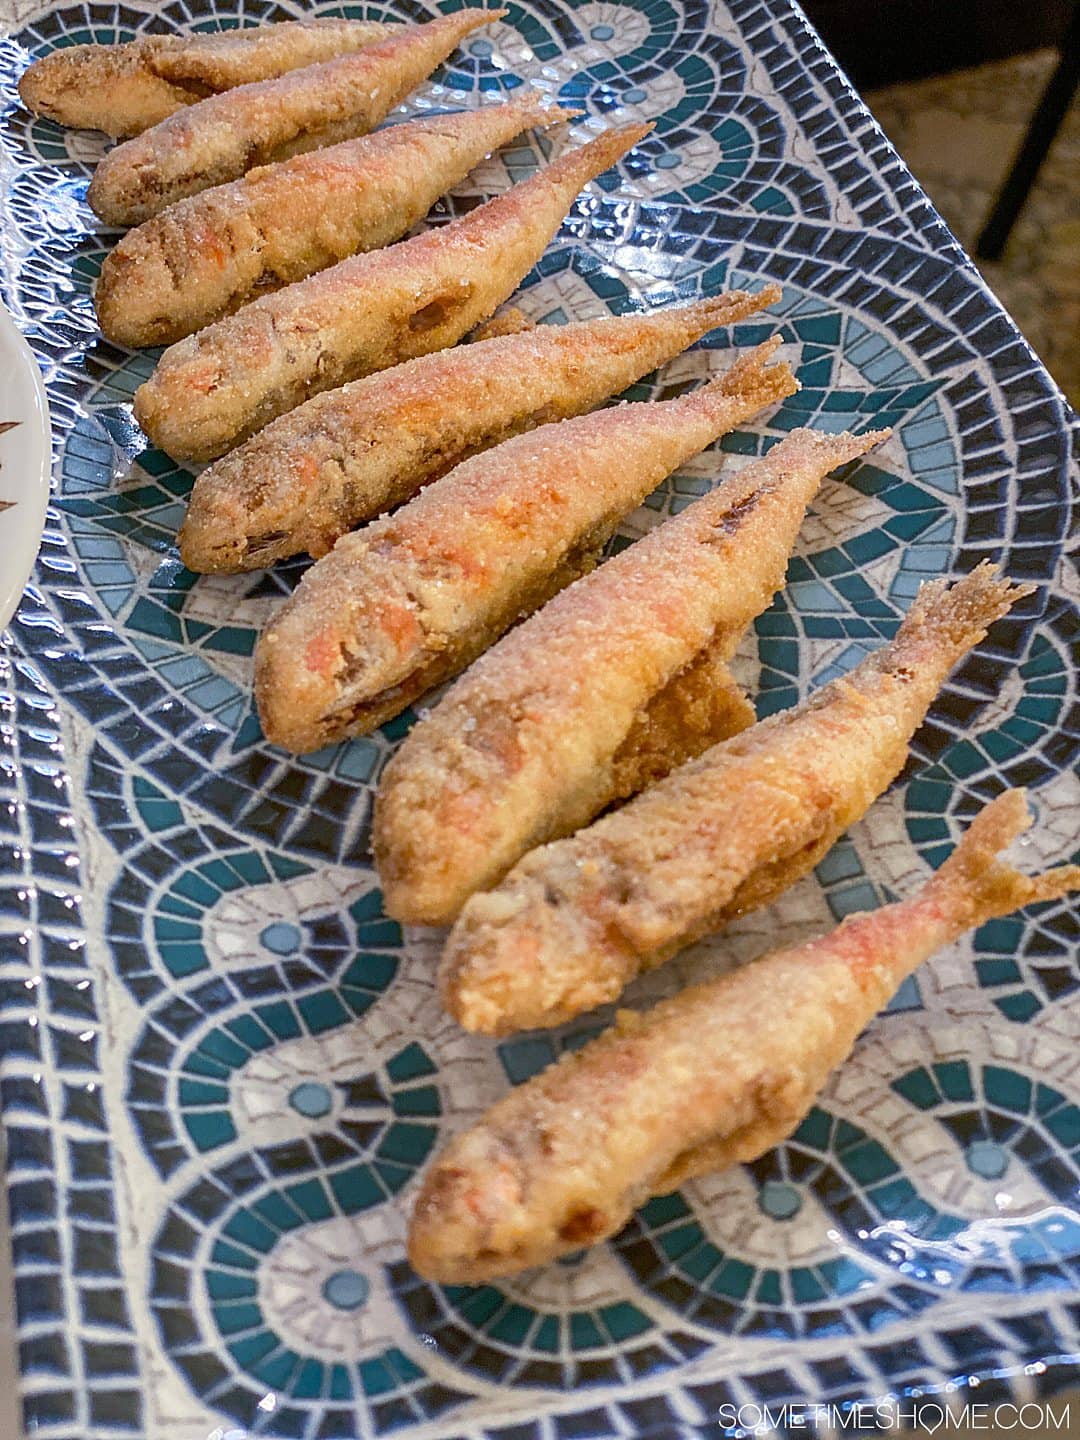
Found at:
<point>124,89</point>
<point>526,746</point>
<point>409,600</point>
<point>205,256</point>
<point>221,137</point>
<point>367,313</point>
<point>576,920</point>
<point>312,475</point>
<point>716,1075</point>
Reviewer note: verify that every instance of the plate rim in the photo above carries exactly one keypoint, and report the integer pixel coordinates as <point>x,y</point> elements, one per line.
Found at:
<point>33,473</point>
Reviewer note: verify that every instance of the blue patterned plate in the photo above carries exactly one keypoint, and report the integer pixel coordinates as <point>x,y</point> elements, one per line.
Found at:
<point>25,463</point>
<point>223,1066</point>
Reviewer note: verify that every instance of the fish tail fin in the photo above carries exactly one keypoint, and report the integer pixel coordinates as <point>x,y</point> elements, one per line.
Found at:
<point>986,886</point>
<point>462,22</point>
<point>712,311</point>
<point>954,617</point>
<point>834,450</point>
<point>575,168</point>
<point>752,379</point>
<point>535,109</point>
<point>510,321</point>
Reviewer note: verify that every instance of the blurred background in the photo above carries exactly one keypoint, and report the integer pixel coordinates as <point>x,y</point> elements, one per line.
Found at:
<point>965,89</point>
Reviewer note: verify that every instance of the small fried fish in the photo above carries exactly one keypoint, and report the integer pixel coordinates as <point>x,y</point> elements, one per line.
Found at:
<point>205,256</point>
<point>409,600</point>
<point>221,137</point>
<point>367,313</point>
<point>530,744</point>
<point>314,474</point>
<point>718,1074</point>
<point>124,89</point>
<point>576,920</point>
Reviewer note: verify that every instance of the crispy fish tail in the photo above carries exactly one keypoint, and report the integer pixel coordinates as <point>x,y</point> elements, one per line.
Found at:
<point>974,885</point>
<point>947,619</point>
<point>717,1074</point>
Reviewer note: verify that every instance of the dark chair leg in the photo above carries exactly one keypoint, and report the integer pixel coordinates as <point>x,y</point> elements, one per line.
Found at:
<point>1044,126</point>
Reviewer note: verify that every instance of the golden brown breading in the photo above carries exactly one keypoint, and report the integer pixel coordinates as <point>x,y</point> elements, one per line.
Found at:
<point>221,137</point>
<point>227,58</point>
<point>313,474</point>
<point>698,707</point>
<point>367,313</point>
<point>409,600</point>
<point>205,256</point>
<point>124,89</point>
<point>510,321</point>
<point>716,1075</point>
<point>575,921</point>
<point>522,749</point>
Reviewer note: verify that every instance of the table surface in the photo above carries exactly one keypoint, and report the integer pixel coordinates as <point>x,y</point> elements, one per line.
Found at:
<point>195,906</point>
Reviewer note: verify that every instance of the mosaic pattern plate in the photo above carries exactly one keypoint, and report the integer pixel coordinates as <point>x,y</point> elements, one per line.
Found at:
<point>25,463</point>
<point>223,1066</point>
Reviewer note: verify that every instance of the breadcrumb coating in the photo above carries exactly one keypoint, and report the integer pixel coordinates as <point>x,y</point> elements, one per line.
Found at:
<point>716,1075</point>
<point>407,601</point>
<point>526,746</point>
<point>214,389</point>
<point>314,474</point>
<point>124,89</point>
<point>221,137</point>
<point>574,921</point>
<point>205,256</point>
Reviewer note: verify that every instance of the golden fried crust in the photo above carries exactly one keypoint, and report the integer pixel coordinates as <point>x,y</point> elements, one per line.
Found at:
<point>205,256</point>
<point>221,137</point>
<point>576,920</point>
<point>229,58</point>
<point>125,89</point>
<point>700,706</point>
<point>104,87</point>
<point>313,474</point>
<point>509,321</point>
<point>572,683</point>
<point>717,1074</point>
<point>367,313</point>
<point>406,602</point>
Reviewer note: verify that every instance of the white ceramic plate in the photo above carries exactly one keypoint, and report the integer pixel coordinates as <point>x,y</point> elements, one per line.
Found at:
<point>25,463</point>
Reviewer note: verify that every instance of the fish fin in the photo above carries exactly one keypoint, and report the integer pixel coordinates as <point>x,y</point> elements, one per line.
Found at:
<point>510,321</point>
<point>987,886</point>
<point>958,614</point>
<point>752,379</point>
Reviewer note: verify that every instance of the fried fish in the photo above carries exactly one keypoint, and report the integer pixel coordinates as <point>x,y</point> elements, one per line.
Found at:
<point>717,1075</point>
<point>124,89</point>
<point>409,600</point>
<point>219,138</point>
<point>531,743</point>
<point>314,474</point>
<point>205,256</point>
<point>366,313</point>
<point>574,921</point>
